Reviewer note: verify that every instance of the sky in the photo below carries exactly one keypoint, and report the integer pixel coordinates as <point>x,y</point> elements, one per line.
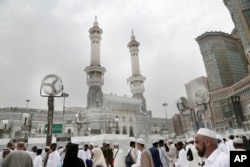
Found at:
<point>38,38</point>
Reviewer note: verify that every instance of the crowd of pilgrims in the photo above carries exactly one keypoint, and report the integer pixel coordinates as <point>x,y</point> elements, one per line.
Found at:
<point>195,152</point>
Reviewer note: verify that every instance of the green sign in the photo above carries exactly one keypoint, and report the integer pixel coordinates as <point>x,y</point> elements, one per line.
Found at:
<point>56,128</point>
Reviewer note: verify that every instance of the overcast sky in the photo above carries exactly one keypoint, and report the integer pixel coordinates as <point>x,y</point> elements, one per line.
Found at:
<point>38,38</point>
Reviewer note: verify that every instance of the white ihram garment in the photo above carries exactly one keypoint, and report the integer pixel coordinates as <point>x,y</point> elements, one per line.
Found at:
<point>53,159</point>
<point>217,159</point>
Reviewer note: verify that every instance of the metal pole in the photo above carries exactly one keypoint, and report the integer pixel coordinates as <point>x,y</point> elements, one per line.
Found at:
<point>27,103</point>
<point>165,107</point>
<point>50,120</point>
<point>63,109</point>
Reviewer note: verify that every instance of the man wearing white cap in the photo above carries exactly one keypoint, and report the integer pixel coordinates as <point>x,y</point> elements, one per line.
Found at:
<point>206,145</point>
<point>140,146</point>
<point>172,154</point>
<point>118,156</point>
<point>144,157</point>
<point>192,155</point>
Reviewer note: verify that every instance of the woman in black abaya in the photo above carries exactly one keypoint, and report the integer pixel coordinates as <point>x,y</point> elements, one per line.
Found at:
<point>71,159</point>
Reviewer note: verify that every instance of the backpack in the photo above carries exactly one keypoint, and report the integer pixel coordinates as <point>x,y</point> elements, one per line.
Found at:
<point>129,160</point>
<point>190,155</point>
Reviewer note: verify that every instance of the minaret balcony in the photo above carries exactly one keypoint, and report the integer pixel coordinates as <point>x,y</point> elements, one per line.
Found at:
<point>136,78</point>
<point>95,81</point>
<point>96,30</point>
<point>95,36</point>
<point>95,69</point>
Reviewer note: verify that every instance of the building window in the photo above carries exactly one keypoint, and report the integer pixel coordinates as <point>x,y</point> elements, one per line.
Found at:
<point>124,131</point>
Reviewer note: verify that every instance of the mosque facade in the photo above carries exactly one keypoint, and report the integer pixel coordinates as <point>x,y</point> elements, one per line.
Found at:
<point>104,113</point>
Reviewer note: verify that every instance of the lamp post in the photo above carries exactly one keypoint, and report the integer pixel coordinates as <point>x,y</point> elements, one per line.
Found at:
<point>165,107</point>
<point>64,95</point>
<point>51,86</point>
<point>27,100</point>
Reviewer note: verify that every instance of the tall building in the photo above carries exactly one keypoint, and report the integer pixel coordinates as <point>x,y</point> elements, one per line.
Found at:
<point>177,125</point>
<point>224,59</point>
<point>225,65</point>
<point>240,13</point>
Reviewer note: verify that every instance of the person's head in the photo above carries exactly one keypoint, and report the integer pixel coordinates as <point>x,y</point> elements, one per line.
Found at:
<point>34,149</point>
<point>104,145</point>
<point>238,143</point>
<point>107,144</point>
<point>47,148</point>
<point>116,145</point>
<point>179,145</point>
<point>10,145</point>
<point>86,146</point>
<point>71,155</point>
<point>72,149</point>
<point>132,144</point>
<point>169,142</point>
<point>39,151</point>
<point>20,146</point>
<point>155,143</point>
<point>231,137</point>
<point>205,142</point>
<point>161,143</point>
<point>53,146</point>
<point>67,146</point>
<point>140,144</point>
<point>91,146</point>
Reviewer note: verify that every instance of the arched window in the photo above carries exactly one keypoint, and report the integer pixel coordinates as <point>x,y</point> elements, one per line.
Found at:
<point>69,132</point>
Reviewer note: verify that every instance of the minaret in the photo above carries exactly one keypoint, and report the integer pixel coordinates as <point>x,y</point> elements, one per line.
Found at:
<point>136,80</point>
<point>95,71</point>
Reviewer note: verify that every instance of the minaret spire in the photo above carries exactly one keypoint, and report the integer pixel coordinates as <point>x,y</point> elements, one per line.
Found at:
<point>136,80</point>
<point>133,37</point>
<point>95,72</point>
<point>95,22</point>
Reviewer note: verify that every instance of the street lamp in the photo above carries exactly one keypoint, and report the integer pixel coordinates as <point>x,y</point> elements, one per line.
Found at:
<point>165,106</point>
<point>64,95</point>
<point>51,86</point>
<point>27,100</point>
